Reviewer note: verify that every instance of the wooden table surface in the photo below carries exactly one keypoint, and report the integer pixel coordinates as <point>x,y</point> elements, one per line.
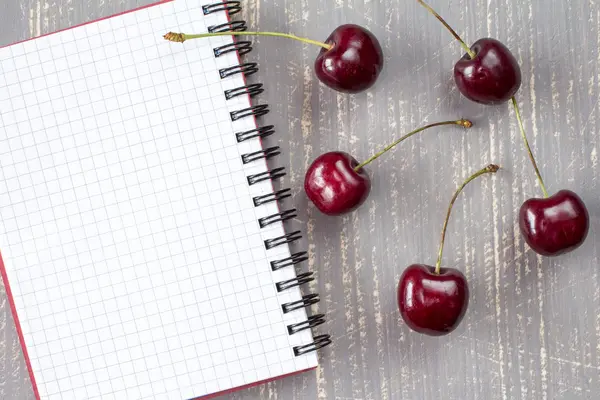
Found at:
<point>532,330</point>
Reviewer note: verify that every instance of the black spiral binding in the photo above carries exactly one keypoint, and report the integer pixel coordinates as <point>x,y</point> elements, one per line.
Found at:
<point>279,217</point>
<point>250,90</point>
<point>257,155</point>
<point>232,26</point>
<point>275,196</point>
<point>257,111</point>
<point>285,239</point>
<point>311,322</point>
<point>294,259</point>
<point>261,132</point>
<point>306,301</point>
<point>242,47</point>
<point>272,174</point>
<point>232,7</point>
<point>300,279</point>
<point>248,68</point>
<point>318,343</point>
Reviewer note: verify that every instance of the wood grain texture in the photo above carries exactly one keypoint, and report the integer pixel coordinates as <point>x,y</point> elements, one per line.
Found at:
<point>533,327</point>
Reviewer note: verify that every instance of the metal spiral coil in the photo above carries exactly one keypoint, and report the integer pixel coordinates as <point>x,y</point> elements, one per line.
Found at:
<point>250,90</point>
<point>261,154</point>
<point>232,26</point>
<point>280,217</point>
<point>242,47</point>
<point>306,301</point>
<point>261,132</point>
<point>273,174</point>
<point>275,196</point>
<point>311,322</point>
<point>246,69</point>
<point>294,259</point>
<point>232,7</point>
<point>257,111</point>
<point>318,343</point>
<point>300,279</point>
<point>285,239</point>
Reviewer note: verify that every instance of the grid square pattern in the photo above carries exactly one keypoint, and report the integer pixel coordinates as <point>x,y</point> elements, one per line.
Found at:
<point>127,227</point>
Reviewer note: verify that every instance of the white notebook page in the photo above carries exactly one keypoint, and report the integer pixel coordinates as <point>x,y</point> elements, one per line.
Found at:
<point>127,229</point>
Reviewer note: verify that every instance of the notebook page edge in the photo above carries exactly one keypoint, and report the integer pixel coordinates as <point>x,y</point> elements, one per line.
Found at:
<point>13,311</point>
<point>156,3</point>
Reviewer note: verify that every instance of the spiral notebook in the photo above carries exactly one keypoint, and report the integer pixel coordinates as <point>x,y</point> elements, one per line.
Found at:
<point>143,246</point>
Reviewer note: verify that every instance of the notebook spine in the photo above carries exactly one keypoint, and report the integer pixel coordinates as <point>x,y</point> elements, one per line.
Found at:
<point>256,111</point>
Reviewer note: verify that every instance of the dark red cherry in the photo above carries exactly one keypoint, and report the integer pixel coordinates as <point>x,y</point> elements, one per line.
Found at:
<point>333,186</point>
<point>353,63</point>
<point>350,61</point>
<point>488,73</point>
<point>336,183</point>
<point>492,77</point>
<point>430,303</point>
<point>554,225</point>
<point>433,300</point>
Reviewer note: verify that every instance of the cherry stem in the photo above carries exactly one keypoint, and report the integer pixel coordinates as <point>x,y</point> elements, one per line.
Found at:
<point>470,52</point>
<point>492,168</point>
<point>462,122</point>
<point>182,37</point>
<point>531,157</point>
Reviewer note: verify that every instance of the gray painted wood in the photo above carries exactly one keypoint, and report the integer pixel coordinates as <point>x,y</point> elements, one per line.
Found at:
<point>533,327</point>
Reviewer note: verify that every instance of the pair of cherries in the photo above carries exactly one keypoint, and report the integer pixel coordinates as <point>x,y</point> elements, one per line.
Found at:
<point>432,300</point>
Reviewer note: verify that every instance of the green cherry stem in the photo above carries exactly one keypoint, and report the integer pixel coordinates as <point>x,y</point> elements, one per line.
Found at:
<point>490,169</point>
<point>461,122</point>
<point>531,157</point>
<point>470,52</point>
<point>182,37</point>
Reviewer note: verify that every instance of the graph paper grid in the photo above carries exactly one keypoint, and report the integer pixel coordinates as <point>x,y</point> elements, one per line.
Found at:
<point>130,241</point>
